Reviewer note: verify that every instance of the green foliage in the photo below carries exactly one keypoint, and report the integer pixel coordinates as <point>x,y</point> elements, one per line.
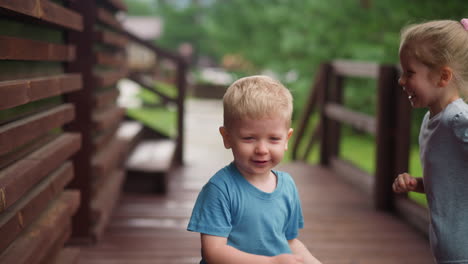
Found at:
<point>298,35</point>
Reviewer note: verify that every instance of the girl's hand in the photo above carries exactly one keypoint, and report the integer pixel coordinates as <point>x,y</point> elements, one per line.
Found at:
<point>287,259</point>
<point>404,183</point>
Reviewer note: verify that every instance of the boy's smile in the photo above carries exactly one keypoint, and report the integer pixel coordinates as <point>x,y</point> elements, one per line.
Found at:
<point>257,145</point>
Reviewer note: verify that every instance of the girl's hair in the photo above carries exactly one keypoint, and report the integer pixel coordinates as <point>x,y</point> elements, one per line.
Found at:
<point>440,43</point>
<point>257,97</point>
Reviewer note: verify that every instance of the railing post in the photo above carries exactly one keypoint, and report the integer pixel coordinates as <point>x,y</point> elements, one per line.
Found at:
<point>82,100</point>
<point>331,92</point>
<point>386,143</point>
<point>182,88</point>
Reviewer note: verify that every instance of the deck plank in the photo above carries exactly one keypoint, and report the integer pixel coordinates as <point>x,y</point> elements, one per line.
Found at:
<point>341,226</point>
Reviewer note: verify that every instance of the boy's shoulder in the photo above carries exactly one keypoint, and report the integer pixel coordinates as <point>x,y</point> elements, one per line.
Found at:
<point>223,177</point>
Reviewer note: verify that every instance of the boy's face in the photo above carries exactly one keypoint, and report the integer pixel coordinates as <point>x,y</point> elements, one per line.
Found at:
<point>257,145</point>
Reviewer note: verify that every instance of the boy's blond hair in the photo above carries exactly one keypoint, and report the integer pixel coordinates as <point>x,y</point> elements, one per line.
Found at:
<point>440,43</point>
<point>257,97</point>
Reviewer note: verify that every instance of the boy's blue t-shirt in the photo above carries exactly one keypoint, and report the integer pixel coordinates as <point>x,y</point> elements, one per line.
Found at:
<point>253,221</point>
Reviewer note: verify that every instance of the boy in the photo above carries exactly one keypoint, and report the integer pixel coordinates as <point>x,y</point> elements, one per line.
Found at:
<point>247,212</point>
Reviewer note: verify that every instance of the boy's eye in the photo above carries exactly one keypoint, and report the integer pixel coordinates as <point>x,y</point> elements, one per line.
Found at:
<point>275,138</point>
<point>247,138</point>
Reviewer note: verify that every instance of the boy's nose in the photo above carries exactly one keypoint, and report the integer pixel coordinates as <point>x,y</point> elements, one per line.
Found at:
<point>261,148</point>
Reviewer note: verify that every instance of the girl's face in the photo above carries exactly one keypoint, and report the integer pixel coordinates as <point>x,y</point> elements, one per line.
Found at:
<point>257,145</point>
<point>419,82</point>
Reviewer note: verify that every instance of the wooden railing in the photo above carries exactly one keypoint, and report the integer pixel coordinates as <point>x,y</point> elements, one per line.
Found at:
<point>62,156</point>
<point>391,128</point>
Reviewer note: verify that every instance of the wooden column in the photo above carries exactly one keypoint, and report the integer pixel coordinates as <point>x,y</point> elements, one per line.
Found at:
<point>182,88</point>
<point>324,120</point>
<point>83,100</point>
<point>387,119</point>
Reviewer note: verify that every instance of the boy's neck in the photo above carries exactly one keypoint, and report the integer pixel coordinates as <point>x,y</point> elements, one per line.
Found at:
<point>265,183</point>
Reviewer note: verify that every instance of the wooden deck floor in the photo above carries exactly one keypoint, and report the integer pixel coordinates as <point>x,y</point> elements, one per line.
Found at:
<point>340,225</point>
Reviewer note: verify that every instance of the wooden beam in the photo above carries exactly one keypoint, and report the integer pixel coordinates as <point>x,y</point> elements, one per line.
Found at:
<point>415,214</point>
<point>108,118</point>
<point>46,11</point>
<point>19,177</point>
<point>118,4</point>
<point>30,206</point>
<point>109,78</point>
<point>354,175</point>
<point>106,200</point>
<point>18,92</point>
<point>20,49</point>
<point>108,18</point>
<point>110,38</point>
<point>33,244</point>
<point>109,59</point>
<point>356,69</point>
<point>17,133</point>
<point>108,159</point>
<point>357,120</point>
<point>105,98</point>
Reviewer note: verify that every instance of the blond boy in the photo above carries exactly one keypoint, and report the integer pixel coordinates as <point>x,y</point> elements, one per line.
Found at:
<point>248,212</point>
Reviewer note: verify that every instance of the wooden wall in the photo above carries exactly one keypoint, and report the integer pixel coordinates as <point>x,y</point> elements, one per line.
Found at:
<point>61,151</point>
<point>35,148</point>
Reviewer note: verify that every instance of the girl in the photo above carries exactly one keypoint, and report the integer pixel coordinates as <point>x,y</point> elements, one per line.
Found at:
<point>434,60</point>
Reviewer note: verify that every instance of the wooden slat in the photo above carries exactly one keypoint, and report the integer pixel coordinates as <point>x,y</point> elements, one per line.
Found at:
<point>109,38</point>
<point>148,83</point>
<point>68,255</point>
<point>108,118</point>
<point>101,140</point>
<point>18,178</point>
<point>108,59</point>
<point>105,98</point>
<point>17,133</point>
<point>55,249</point>
<point>359,178</point>
<point>20,49</point>
<point>415,214</point>
<point>108,159</point>
<point>108,18</point>
<point>106,200</point>
<point>109,78</point>
<point>118,4</point>
<point>355,69</point>
<point>46,11</point>
<point>357,120</point>
<point>35,242</point>
<point>18,92</point>
<point>26,210</point>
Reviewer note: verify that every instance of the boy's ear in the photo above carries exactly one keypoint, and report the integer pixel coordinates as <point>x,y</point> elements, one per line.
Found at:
<point>446,75</point>
<point>226,139</point>
<point>290,132</point>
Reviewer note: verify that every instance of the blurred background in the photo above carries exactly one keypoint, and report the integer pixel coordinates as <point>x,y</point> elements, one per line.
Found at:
<point>288,39</point>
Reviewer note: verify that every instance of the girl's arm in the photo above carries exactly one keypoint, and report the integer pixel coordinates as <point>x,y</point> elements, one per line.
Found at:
<point>215,250</point>
<point>298,248</point>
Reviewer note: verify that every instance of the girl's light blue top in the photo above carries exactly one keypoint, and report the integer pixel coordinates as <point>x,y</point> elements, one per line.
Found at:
<point>443,141</point>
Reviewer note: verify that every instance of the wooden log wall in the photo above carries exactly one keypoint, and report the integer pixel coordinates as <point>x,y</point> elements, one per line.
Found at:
<point>36,151</point>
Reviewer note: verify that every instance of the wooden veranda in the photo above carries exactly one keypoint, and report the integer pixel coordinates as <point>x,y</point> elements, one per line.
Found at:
<point>341,224</point>
<point>64,151</point>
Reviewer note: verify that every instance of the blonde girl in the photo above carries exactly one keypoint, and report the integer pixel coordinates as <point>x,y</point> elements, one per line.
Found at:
<point>434,61</point>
